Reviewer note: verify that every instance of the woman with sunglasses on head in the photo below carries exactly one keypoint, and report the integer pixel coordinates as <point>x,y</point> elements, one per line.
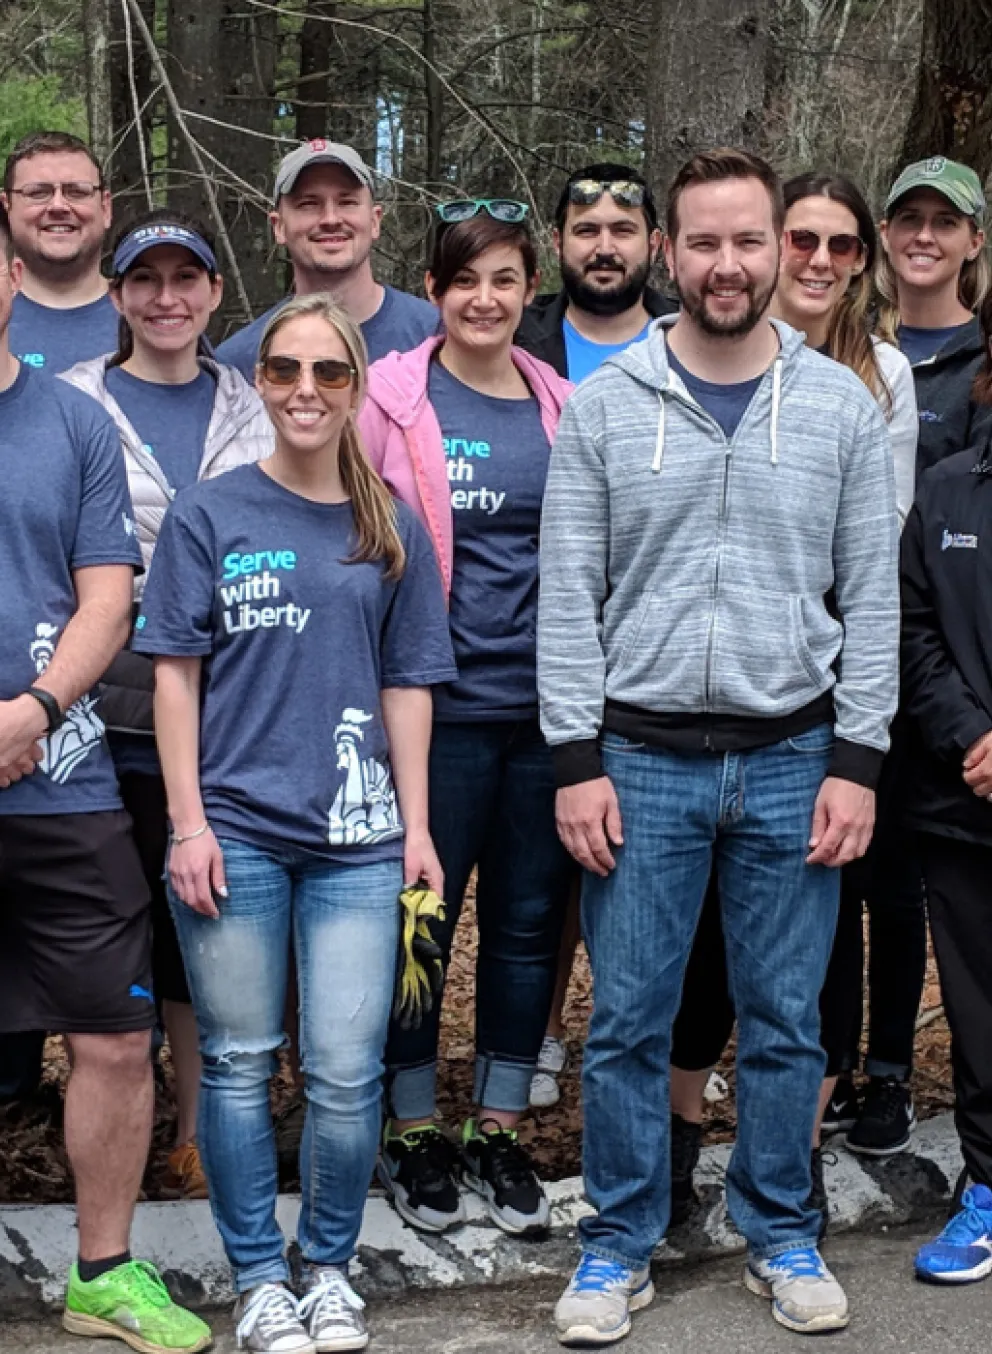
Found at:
<point>933,274</point>
<point>297,619</point>
<point>182,417</point>
<point>461,429</point>
<point>824,290</point>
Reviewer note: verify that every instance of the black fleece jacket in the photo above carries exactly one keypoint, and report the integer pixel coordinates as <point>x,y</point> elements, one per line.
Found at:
<point>949,417</point>
<point>947,641</point>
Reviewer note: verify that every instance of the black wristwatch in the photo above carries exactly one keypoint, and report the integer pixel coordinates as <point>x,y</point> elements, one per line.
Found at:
<point>50,705</point>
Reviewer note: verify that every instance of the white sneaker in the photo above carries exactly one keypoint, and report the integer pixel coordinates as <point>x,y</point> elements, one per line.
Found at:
<point>333,1311</point>
<point>805,1295</point>
<point>268,1322</point>
<point>595,1308</point>
<point>544,1089</point>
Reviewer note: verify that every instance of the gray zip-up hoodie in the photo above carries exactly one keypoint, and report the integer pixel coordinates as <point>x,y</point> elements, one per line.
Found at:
<point>682,573</point>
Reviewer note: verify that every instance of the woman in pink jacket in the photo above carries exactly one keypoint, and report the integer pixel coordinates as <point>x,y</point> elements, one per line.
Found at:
<point>461,429</point>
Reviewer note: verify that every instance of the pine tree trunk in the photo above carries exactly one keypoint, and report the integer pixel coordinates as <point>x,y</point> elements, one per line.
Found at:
<point>952,114</point>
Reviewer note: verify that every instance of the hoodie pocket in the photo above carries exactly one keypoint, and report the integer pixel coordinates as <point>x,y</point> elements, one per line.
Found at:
<point>762,662</point>
<point>660,651</point>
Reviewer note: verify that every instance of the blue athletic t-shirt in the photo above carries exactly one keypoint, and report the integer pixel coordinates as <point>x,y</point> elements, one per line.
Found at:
<point>64,506</point>
<point>171,420</point>
<point>725,403</point>
<point>582,356</point>
<point>497,458</point>
<point>919,345</point>
<point>402,322</point>
<point>297,646</point>
<point>56,340</point>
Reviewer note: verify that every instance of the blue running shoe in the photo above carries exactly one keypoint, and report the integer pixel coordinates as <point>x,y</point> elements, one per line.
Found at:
<point>963,1251</point>
<point>595,1308</point>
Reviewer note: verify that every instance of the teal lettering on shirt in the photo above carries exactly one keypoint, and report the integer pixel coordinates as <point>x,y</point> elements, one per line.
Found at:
<point>235,565</point>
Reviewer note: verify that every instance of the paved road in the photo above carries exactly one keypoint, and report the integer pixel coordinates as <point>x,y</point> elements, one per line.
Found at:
<point>702,1310</point>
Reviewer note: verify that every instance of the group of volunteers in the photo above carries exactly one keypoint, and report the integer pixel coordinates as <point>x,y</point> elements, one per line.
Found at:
<point>592,596</point>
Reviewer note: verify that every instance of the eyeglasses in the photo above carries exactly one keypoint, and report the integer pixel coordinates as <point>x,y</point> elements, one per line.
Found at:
<point>499,208</point>
<point>39,193</point>
<point>328,372</point>
<point>842,248</point>
<point>624,192</point>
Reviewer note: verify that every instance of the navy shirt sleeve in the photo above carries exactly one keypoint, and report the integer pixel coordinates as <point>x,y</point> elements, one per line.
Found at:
<point>105,531</point>
<point>177,605</point>
<point>416,645</point>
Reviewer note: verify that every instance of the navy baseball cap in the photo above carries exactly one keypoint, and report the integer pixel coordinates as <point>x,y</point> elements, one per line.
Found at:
<point>137,241</point>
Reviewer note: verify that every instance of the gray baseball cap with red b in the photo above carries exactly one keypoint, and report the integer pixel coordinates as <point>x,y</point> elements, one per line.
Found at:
<point>320,152</point>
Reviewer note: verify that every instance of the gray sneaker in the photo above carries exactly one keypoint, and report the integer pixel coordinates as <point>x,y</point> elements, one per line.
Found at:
<point>332,1310</point>
<point>268,1322</point>
<point>595,1308</point>
<point>805,1295</point>
<point>544,1089</point>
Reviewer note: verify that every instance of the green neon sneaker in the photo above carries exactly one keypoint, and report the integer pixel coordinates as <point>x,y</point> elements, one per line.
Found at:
<point>131,1303</point>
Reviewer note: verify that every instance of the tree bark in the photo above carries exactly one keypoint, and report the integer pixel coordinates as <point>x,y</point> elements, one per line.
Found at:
<point>952,113</point>
<point>434,94</point>
<point>128,170</point>
<point>96,44</point>
<point>315,70</point>
<point>705,80</point>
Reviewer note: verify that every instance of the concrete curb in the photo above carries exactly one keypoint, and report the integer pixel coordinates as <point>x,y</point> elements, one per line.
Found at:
<point>38,1242</point>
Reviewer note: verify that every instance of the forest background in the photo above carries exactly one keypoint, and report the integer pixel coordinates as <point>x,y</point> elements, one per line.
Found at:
<point>192,102</point>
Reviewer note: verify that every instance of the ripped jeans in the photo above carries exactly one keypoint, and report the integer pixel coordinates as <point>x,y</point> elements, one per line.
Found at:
<point>344,924</point>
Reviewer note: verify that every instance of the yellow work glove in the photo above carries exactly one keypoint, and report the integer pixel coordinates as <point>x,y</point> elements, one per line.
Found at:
<point>419,967</point>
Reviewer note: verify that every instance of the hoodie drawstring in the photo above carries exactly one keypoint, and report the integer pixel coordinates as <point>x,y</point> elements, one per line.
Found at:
<point>776,401</point>
<point>659,445</point>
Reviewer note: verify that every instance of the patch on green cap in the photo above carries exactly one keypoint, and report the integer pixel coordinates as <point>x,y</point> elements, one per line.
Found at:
<point>959,184</point>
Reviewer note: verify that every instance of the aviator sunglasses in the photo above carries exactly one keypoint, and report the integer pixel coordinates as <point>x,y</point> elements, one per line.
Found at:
<point>329,373</point>
<point>624,192</point>
<point>842,248</point>
<point>464,208</point>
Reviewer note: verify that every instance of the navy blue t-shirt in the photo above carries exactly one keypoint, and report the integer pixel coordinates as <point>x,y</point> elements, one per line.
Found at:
<point>297,645</point>
<point>402,322</point>
<point>919,345</point>
<point>726,403</point>
<point>497,457</point>
<point>583,356</point>
<point>64,506</point>
<point>56,340</point>
<point>171,420</point>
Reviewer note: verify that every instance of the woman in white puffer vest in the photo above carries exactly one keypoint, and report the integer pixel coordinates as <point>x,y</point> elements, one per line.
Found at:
<point>182,417</point>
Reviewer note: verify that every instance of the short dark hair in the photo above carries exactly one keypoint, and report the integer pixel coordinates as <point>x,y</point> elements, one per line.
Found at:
<point>48,143</point>
<point>6,239</point>
<point>713,166</point>
<point>456,245</point>
<point>608,172</point>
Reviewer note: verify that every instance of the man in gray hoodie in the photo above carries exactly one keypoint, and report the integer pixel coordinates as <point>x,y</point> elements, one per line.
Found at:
<point>717,655</point>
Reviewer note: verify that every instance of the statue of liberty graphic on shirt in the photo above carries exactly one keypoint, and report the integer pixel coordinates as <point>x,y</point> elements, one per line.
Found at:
<point>82,729</point>
<point>365,808</point>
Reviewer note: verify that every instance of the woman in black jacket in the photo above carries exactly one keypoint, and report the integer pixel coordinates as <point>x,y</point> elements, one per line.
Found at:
<point>947,694</point>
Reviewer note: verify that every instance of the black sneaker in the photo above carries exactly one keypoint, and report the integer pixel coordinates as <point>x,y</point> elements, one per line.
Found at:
<point>687,1139</point>
<point>842,1110</point>
<point>818,1189</point>
<point>887,1119</point>
<point>497,1167</point>
<point>418,1169</point>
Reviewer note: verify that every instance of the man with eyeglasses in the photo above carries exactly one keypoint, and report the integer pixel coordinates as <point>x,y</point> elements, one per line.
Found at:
<point>607,239</point>
<point>59,210</point>
<point>326,217</point>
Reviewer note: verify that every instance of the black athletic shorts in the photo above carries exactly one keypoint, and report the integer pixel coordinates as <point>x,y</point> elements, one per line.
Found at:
<point>75,925</point>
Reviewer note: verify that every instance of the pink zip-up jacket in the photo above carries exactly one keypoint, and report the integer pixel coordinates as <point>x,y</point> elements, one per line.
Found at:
<point>403,438</point>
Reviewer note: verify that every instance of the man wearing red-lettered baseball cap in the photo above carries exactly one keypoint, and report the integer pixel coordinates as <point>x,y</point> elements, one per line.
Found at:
<point>325,215</point>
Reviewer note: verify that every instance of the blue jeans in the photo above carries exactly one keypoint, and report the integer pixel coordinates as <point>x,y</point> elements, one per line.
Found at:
<point>749,814</point>
<point>492,804</point>
<point>343,921</point>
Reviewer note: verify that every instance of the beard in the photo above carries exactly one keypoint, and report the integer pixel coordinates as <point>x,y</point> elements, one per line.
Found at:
<point>613,299</point>
<point>727,326</point>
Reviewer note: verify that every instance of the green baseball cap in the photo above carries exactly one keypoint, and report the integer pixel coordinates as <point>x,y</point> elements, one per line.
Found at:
<point>960,185</point>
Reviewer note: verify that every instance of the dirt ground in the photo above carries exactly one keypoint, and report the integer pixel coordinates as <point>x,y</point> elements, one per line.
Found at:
<point>33,1167</point>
